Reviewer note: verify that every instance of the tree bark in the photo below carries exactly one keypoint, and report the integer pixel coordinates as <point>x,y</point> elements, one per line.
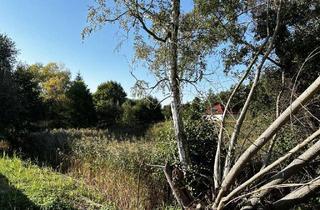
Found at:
<point>297,195</point>
<point>175,87</point>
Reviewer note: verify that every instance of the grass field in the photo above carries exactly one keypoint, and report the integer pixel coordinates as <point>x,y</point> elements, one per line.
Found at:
<point>26,186</point>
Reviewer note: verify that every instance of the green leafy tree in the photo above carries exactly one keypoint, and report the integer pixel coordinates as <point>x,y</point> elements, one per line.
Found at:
<point>140,114</point>
<point>108,100</point>
<point>81,112</point>
<point>129,117</point>
<point>9,102</point>
<point>298,37</point>
<point>152,111</point>
<point>28,92</point>
<point>54,80</point>
<point>194,110</point>
<point>166,112</point>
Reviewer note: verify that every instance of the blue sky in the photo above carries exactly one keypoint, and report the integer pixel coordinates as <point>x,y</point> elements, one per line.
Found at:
<point>49,31</point>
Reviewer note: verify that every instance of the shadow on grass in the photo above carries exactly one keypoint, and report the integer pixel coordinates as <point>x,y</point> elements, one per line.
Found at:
<point>12,198</point>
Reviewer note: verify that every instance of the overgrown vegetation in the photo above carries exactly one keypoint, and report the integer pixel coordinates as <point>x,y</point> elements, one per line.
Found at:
<point>26,186</point>
<point>251,146</point>
<point>124,169</point>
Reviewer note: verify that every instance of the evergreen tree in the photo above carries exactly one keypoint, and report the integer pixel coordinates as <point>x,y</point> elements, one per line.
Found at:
<point>81,112</point>
<point>9,102</point>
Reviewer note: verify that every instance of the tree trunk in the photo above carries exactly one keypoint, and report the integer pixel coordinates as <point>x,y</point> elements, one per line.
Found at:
<point>298,195</point>
<point>175,87</point>
<point>267,135</point>
<point>290,170</point>
<point>268,168</point>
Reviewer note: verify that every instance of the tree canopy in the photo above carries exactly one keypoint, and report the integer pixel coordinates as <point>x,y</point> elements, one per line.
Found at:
<point>108,100</point>
<point>81,112</point>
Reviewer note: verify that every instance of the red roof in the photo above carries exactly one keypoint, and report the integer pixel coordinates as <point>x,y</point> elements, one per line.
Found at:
<point>217,108</point>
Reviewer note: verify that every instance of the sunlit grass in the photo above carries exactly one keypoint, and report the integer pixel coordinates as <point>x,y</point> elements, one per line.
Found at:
<point>26,186</point>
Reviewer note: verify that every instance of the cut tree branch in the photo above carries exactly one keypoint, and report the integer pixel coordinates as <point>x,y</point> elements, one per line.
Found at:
<point>296,165</point>
<point>297,195</point>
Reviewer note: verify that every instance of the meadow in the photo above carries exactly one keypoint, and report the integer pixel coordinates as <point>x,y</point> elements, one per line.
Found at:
<point>123,170</point>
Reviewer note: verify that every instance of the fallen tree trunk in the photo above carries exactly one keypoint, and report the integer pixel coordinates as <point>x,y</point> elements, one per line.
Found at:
<point>296,165</point>
<point>297,195</point>
<point>305,97</point>
<point>268,168</point>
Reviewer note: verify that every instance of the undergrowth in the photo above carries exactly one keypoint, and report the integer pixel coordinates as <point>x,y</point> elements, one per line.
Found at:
<point>125,170</point>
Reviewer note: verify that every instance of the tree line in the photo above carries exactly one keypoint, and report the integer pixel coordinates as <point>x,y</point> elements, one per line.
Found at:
<point>44,96</point>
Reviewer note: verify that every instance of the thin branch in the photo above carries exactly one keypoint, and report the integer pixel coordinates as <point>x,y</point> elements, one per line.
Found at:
<point>268,168</point>
<point>309,57</point>
<point>267,135</point>
<point>150,32</point>
<point>242,41</point>
<point>244,110</point>
<point>217,161</point>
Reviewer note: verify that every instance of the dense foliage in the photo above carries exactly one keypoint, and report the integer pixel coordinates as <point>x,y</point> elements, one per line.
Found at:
<point>141,113</point>
<point>81,111</point>
<point>108,100</point>
<point>8,97</point>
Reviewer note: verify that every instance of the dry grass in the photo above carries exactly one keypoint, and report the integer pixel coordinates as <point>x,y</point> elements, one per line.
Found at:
<point>116,168</point>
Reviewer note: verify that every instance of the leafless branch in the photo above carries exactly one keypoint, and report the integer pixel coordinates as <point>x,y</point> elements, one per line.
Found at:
<point>244,110</point>
<point>267,135</point>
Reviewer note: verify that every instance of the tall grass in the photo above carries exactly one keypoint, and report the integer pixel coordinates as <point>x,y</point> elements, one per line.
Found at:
<point>117,166</point>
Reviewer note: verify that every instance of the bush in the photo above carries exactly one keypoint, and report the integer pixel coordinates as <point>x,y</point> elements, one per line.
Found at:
<point>140,114</point>
<point>201,138</point>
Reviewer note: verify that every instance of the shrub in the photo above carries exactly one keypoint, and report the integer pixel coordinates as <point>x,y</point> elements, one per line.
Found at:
<point>201,138</point>
<point>121,167</point>
<point>140,114</point>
